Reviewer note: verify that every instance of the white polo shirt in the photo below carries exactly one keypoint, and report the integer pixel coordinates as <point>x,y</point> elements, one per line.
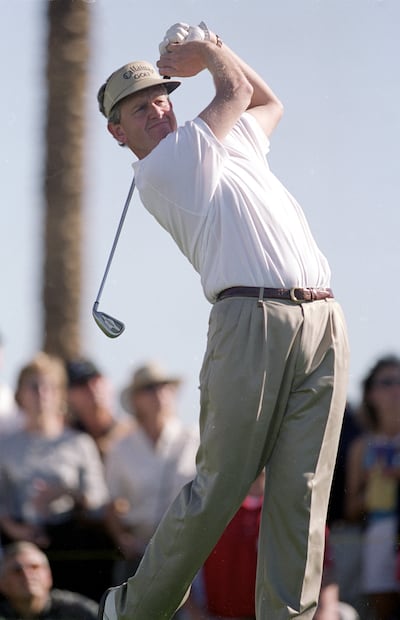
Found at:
<point>228,213</point>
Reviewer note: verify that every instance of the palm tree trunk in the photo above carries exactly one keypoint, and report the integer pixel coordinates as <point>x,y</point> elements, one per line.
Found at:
<point>67,59</point>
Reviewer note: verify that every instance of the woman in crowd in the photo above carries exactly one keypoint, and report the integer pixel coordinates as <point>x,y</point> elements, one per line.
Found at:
<point>373,474</point>
<point>51,479</point>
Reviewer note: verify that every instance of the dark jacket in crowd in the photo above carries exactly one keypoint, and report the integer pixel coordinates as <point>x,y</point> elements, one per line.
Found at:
<point>62,605</point>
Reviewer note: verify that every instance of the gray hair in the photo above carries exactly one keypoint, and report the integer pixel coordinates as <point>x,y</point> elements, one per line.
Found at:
<point>115,114</point>
<point>115,117</point>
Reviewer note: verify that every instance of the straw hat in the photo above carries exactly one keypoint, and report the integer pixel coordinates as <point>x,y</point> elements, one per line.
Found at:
<point>146,376</point>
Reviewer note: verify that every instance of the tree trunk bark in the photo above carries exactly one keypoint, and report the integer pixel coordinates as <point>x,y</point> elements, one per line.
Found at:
<point>67,59</point>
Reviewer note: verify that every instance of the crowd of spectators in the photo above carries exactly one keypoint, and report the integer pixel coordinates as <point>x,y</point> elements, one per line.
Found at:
<point>85,477</point>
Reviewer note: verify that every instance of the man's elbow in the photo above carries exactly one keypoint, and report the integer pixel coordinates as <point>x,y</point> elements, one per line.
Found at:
<point>244,91</point>
<point>274,114</point>
<point>278,110</point>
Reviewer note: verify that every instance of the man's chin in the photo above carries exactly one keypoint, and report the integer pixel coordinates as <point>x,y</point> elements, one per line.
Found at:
<point>161,131</point>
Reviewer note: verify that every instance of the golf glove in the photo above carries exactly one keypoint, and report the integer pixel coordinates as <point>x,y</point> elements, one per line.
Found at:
<point>180,32</point>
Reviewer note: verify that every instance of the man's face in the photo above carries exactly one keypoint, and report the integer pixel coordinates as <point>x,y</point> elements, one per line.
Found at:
<point>85,398</point>
<point>41,394</point>
<point>146,118</point>
<point>26,577</point>
<point>155,401</point>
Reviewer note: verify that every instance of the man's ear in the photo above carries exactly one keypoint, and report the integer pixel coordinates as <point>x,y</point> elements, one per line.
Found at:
<point>117,132</point>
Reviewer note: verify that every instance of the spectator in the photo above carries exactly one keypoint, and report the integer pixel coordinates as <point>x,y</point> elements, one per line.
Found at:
<point>52,486</point>
<point>10,416</point>
<point>230,571</point>
<point>373,475</point>
<point>352,428</point>
<point>345,535</point>
<point>90,404</point>
<point>146,469</point>
<point>26,585</point>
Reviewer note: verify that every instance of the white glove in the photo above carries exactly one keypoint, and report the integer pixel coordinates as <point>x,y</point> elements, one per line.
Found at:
<point>198,33</point>
<point>180,32</point>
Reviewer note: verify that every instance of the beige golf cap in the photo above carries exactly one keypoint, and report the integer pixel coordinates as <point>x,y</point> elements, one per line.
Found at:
<point>129,79</point>
<point>145,377</point>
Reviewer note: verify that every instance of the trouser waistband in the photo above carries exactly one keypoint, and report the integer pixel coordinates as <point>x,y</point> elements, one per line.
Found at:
<point>291,294</point>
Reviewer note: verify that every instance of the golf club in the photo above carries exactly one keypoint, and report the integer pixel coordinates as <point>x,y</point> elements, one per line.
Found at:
<point>111,326</point>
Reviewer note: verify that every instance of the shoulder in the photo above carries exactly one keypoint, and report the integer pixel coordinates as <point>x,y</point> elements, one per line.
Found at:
<point>183,147</point>
<point>71,604</point>
<point>184,439</point>
<point>11,444</point>
<point>190,434</point>
<point>77,438</point>
<point>121,446</point>
<point>118,432</point>
<point>16,436</point>
<point>248,130</point>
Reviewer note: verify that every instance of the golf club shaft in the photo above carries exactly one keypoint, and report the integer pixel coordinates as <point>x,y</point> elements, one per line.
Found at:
<point>114,245</point>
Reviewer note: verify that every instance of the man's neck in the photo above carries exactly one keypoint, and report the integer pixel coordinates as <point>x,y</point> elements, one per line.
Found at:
<point>154,427</point>
<point>29,608</point>
<point>46,426</point>
<point>100,423</point>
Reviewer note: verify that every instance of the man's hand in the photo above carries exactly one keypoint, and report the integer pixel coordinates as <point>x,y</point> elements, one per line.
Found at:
<point>181,32</point>
<point>182,60</point>
<point>175,34</point>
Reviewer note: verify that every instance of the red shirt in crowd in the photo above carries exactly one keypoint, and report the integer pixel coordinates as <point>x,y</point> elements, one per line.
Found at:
<point>230,570</point>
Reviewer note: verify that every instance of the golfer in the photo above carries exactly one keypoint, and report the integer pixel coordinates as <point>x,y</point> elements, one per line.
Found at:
<point>274,377</point>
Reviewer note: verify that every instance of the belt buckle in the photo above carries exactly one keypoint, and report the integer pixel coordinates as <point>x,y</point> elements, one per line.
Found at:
<point>293,297</point>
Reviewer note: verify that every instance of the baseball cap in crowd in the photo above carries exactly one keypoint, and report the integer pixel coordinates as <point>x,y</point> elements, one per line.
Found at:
<point>146,376</point>
<point>129,79</point>
<point>80,371</point>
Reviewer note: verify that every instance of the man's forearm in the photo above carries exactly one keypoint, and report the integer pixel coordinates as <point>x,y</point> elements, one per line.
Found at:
<point>264,105</point>
<point>237,86</point>
<point>262,93</point>
<point>233,91</point>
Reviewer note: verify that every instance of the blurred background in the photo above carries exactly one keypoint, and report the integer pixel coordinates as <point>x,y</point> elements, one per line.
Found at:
<point>333,63</point>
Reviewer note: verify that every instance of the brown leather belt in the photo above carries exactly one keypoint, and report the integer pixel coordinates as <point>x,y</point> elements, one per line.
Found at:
<point>291,294</point>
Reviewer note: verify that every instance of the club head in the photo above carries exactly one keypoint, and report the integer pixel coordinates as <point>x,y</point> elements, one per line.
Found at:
<point>109,325</point>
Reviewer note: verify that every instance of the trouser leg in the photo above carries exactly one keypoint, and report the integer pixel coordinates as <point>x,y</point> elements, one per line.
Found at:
<point>231,385</point>
<point>299,472</point>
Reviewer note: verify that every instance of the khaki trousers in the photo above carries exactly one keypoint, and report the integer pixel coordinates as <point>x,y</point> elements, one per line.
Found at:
<point>273,390</point>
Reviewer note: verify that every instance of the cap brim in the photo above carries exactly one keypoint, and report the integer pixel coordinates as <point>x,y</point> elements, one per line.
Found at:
<point>170,85</point>
<point>126,394</point>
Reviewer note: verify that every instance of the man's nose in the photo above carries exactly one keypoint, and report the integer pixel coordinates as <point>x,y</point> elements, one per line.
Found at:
<point>156,110</point>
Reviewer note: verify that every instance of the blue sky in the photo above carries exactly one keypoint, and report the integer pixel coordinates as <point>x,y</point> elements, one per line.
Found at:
<point>333,63</point>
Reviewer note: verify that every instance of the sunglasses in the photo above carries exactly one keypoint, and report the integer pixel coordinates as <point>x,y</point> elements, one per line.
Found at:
<point>388,382</point>
<point>152,387</point>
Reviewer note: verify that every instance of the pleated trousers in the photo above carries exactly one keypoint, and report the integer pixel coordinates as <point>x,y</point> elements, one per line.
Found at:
<point>273,389</point>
